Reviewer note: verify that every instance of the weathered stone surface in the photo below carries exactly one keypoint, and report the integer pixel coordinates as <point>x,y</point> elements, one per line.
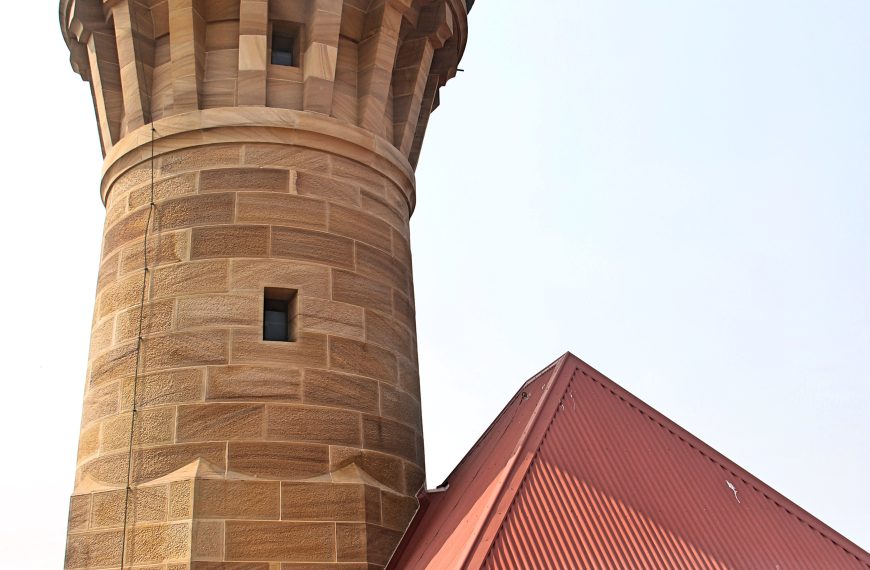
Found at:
<point>102,336</point>
<point>249,347</point>
<point>189,278</point>
<point>381,266</point>
<point>287,156</point>
<point>362,358</point>
<point>415,479</point>
<point>396,197</point>
<point>305,245</point>
<point>121,294</point>
<point>197,565</point>
<point>128,228</point>
<point>219,310</point>
<point>350,542</point>
<point>409,377</point>
<point>402,249</point>
<point>386,332</point>
<point>251,500</point>
<point>390,437</point>
<point>167,387</point>
<point>321,315</point>
<point>93,550</point>
<point>185,349</point>
<point>79,512</point>
<point>89,441</point>
<point>108,469</point>
<point>101,401</point>
<point>116,207</point>
<point>158,543</point>
<point>352,171</point>
<point>152,318</point>
<point>220,422</point>
<point>287,541</point>
<point>373,504</point>
<point>146,504</point>
<point>229,241</point>
<point>369,542</point>
<point>380,543</point>
<point>200,158</point>
<point>136,176</point>
<point>421,451</point>
<point>245,179</point>
<point>181,499</point>
<point>207,540</point>
<point>355,224</point>
<point>150,504</point>
<point>401,406</point>
<point>308,184</point>
<point>377,206</point>
<point>254,383</point>
<point>152,426</point>
<point>309,280</point>
<point>151,463</point>
<point>108,272</point>
<point>324,388</point>
<point>163,248</point>
<point>331,566</point>
<point>324,502</point>
<point>386,469</point>
<point>397,510</point>
<point>313,425</point>
<point>278,460</point>
<point>355,289</point>
<point>164,189</point>
<point>282,210</point>
<point>196,210</point>
<point>404,311</point>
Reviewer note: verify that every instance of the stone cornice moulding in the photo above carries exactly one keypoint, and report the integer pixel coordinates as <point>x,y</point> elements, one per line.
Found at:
<point>260,125</point>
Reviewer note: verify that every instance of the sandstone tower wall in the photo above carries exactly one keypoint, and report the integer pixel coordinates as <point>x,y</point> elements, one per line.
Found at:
<point>204,446</point>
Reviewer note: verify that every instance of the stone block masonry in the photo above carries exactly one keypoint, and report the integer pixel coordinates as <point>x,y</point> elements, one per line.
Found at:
<point>204,446</point>
<point>310,450</point>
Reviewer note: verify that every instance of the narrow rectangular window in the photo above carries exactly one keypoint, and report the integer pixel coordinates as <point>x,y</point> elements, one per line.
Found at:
<point>285,44</point>
<point>279,314</point>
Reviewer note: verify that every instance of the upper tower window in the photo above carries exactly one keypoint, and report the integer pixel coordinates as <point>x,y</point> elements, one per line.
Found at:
<point>285,44</point>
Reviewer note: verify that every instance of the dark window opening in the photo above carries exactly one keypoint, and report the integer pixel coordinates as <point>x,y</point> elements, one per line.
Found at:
<point>279,315</point>
<point>285,44</point>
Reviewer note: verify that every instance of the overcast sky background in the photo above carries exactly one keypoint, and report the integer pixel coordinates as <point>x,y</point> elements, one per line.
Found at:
<point>678,192</point>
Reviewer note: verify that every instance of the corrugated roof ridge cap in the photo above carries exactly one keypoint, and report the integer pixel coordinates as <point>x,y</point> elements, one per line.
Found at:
<point>768,493</point>
<point>476,552</point>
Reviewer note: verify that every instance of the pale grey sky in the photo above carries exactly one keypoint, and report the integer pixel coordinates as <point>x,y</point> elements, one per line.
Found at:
<point>678,192</point>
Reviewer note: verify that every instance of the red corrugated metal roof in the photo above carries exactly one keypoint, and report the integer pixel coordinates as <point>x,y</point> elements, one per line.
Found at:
<point>578,473</point>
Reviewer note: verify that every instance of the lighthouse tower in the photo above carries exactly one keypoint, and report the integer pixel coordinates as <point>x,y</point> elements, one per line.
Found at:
<point>252,399</point>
